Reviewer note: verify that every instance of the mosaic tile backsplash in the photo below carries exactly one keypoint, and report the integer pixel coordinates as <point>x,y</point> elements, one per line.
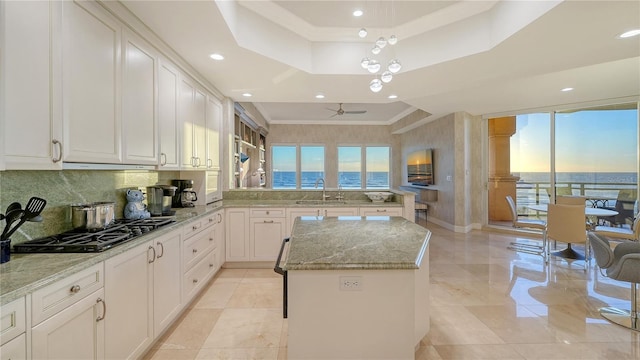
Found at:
<point>63,188</point>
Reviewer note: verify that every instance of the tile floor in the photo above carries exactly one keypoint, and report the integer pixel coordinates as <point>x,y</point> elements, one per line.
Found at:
<point>486,303</point>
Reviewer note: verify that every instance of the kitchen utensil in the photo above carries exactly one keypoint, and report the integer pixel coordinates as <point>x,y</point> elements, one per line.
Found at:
<point>10,218</point>
<point>34,207</point>
<point>92,216</point>
<point>13,206</point>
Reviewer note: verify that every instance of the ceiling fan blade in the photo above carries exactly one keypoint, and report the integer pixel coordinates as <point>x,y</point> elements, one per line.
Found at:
<point>355,112</point>
<point>335,110</point>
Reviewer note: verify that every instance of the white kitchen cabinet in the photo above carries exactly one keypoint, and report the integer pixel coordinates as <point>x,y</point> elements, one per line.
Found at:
<point>294,212</point>
<point>213,190</point>
<point>201,259</point>
<point>15,349</point>
<point>169,130</point>
<point>142,288</point>
<point>380,211</point>
<point>193,120</point>
<point>139,121</point>
<point>30,79</point>
<point>91,84</point>
<point>237,234</point>
<point>76,332</point>
<point>213,130</point>
<point>13,321</point>
<point>267,229</point>
<point>67,317</point>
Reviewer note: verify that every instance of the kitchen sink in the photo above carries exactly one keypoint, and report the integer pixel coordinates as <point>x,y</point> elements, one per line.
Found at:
<point>320,202</point>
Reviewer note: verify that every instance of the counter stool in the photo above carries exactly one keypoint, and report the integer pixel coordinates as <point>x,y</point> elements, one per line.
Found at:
<point>421,207</point>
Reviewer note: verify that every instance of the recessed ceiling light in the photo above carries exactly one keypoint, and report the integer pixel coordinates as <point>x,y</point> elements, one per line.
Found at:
<point>216,56</point>
<point>629,33</point>
<point>358,13</point>
<point>320,96</point>
<point>393,96</point>
<point>567,89</point>
<point>247,95</point>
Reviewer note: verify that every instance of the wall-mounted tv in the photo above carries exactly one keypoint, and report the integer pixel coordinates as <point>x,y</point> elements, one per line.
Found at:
<point>420,167</point>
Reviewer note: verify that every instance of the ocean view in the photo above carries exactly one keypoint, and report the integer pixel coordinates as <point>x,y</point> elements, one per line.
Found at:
<point>348,179</point>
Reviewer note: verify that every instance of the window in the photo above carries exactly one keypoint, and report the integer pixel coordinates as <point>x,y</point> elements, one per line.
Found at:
<point>311,165</point>
<point>377,167</point>
<point>350,167</point>
<point>284,167</point>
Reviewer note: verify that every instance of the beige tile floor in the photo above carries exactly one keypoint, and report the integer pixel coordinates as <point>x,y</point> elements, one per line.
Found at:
<point>486,303</point>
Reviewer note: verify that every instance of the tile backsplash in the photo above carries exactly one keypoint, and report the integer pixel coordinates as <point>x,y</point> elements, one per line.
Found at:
<point>63,188</point>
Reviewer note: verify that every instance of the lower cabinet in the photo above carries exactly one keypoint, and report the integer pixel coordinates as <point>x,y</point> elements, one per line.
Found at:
<point>142,289</point>
<point>74,333</point>
<point>237,234</point>
<point>200,255</point>
<point>13,325</point>
<point>381,211</point>
<point>293,213</point>
<point>267,229</point>
<point>15,349</point>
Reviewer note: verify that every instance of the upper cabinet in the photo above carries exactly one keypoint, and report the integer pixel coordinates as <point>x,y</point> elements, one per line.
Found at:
<point>91,84</point>
<point>30,84</point>
<point>193,120</point>
<point>168,79</point>
<point>140,125</point>
<point>213,129</point>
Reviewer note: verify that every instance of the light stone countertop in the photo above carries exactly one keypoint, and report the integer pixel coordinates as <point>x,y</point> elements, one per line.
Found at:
<point>356,243</point>
<point>25,273</point>
<point>309,203</point>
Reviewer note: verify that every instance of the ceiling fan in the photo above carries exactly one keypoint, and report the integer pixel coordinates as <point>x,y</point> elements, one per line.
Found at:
<point>340,111</point>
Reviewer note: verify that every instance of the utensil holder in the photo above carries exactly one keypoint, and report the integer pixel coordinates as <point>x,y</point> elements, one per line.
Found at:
<point>5,251</point>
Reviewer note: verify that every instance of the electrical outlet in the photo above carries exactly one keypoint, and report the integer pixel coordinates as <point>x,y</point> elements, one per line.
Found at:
<point>351,283</point>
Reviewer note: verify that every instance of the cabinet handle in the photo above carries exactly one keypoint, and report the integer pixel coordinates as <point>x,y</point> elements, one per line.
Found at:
<point>163,159</point>
<point>197,161</point>
<point>196,227</point>
<point>194,251</point>
<point>195,281</point>
<point>219,218</point>
<point>75,289</point>
<point>193,161</point>
<point>59,146</point>
<point>325,212</point>
<point>318,212</point>
<point>209,163</point>
<point>268,221</point>
<point>161,248</point>
<point>153,258</point>
<point>104,309</point>
<point>378,210</point>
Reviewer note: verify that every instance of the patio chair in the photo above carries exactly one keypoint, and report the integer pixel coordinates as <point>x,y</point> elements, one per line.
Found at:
<point>528,224</point>
<point>625,204</point>
<point>622,264</point>
<point>623,233</point>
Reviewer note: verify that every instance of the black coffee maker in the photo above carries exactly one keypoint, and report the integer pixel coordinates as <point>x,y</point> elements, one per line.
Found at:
<point>184,196</point>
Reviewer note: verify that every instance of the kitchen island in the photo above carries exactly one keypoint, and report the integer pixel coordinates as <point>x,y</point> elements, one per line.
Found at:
<point>358,287</point>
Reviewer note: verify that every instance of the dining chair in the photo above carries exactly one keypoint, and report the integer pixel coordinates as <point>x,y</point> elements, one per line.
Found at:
<point>528,224</point>
<point>626,204</point>
<point>622,264</point>
<point>623,233</point>
<point>571,200</point>
<point>566,223</point>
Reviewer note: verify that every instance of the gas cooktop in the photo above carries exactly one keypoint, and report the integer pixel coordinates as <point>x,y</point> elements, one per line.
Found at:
<point>81,241</point>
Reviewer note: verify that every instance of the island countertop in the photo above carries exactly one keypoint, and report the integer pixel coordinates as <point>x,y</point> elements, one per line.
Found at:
<point>356,243</point>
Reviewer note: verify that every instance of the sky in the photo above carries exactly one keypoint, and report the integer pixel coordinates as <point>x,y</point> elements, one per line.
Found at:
<point>586,141</point>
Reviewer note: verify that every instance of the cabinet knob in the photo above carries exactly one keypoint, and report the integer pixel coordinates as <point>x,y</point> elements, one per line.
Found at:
<point>210,219</point>
<point>210,265</point>
<point>195,281</point>
<point>210,239</point>
<point>195,250</point>
<point>75,289</point>
<point>196,227</point>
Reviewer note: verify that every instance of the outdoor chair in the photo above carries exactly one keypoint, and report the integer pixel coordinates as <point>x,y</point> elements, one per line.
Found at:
<point>623,233</point>
<point>528,224</point>
<point>625,206</point>
<point>622,264</point>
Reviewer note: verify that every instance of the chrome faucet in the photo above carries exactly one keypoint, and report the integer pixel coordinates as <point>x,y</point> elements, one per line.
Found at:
<point>324,190</point>
<point>340,195</point>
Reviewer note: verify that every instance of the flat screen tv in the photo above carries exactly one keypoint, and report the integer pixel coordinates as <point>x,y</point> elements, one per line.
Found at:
<point>420,167</point>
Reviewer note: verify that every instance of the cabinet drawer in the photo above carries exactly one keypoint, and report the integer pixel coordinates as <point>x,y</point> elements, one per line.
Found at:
<point>196,247</point>
<point>52,299</point>
<point>15,349</point>
<point>192,228</point>
<point>380,211</point>
<point>268,213</point>
<point>12,320</point>
<point>198,276</point>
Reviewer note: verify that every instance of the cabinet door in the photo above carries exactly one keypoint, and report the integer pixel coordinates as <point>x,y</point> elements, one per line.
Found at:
<point>214,124</point>
<point>266,238</point>
<point>187,111</point>
<point>219,238</point>
<point>91,84</point>
<point>168,117</point>
<point>199,128</point>
<point>74,333</point>
<point>30,74</point>
<point>166,281</point>
<point>128,293</point>
<point>15,349</point>
<point>293,213</point>
<point>139,123</point>
<point>237,234</point>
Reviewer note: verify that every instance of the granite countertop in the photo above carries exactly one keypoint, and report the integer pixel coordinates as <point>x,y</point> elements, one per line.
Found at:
<point>25,273</point>
<point>308,203</point>
<point>356,243</point>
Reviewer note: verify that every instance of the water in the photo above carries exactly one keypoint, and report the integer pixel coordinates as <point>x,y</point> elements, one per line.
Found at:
<point>348,179</point>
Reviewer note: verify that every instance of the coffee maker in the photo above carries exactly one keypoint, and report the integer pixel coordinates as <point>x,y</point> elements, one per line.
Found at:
<point>160,199</point>
<point>184,196</point>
